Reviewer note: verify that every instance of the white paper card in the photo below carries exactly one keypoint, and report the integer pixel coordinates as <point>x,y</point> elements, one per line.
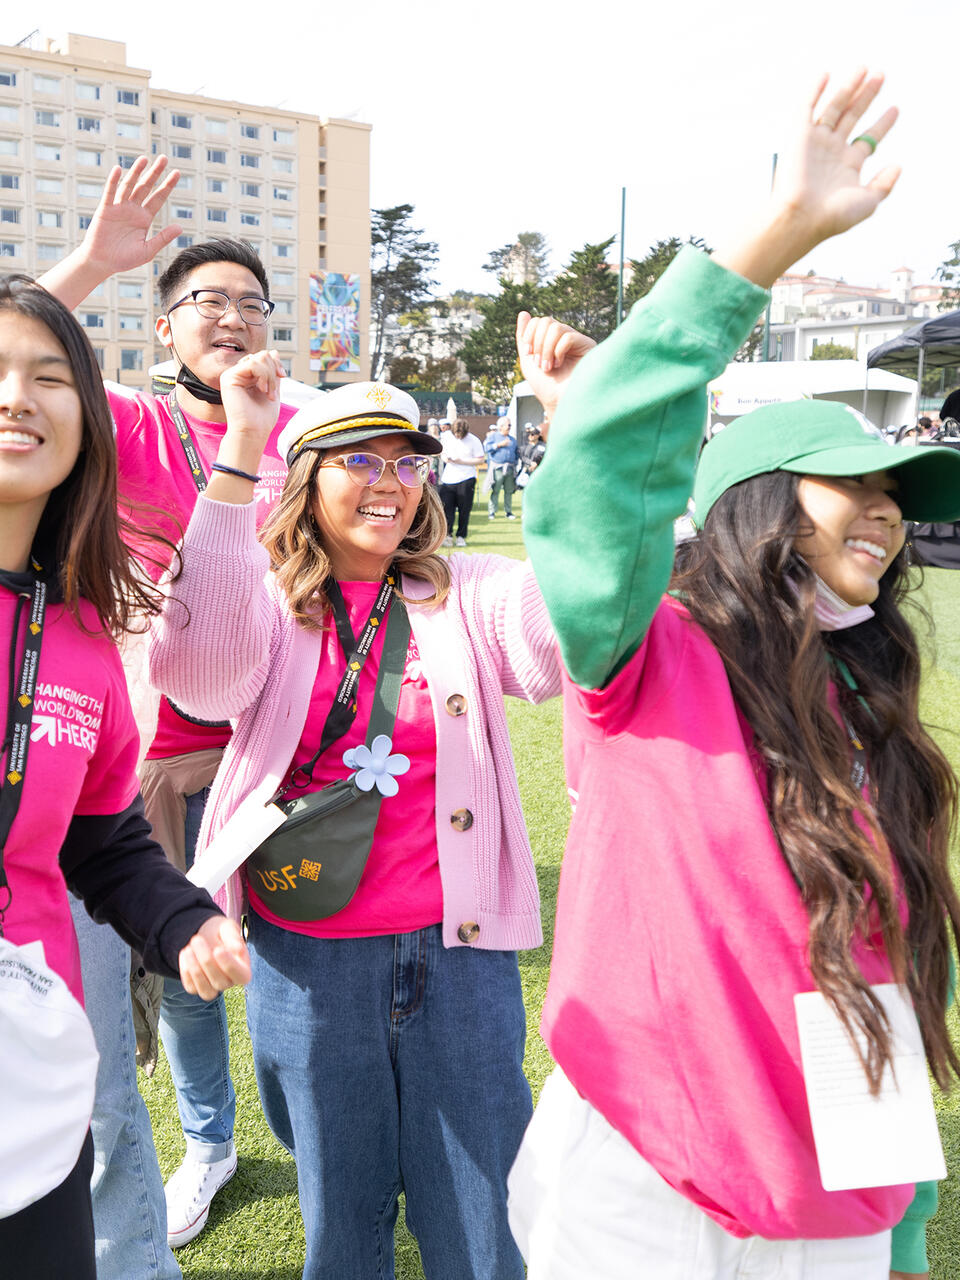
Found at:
<point>250,824</point>
<point>861,1140</point>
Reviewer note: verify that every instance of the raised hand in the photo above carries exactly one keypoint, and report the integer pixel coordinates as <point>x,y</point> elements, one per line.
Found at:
<point>251,402</point>
<point>118,237</point>
<point>549,352</point>
<point>819,189</point>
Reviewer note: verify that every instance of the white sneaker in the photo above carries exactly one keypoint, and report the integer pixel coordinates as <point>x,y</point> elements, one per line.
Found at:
<point>461,542</point>
<point>189,1192</point>
<point>448,542</point>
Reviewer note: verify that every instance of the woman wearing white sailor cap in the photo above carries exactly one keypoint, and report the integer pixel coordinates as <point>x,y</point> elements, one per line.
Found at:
<point>387,1026</point>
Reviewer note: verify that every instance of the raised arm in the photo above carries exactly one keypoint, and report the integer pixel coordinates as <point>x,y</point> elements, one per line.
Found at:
<point>118,238</point>
<point>598,519</point>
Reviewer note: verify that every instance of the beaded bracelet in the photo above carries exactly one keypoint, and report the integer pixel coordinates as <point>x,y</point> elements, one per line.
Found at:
<point>233,471</point>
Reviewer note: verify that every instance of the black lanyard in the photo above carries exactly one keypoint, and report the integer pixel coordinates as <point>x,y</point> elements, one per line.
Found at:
<point>19,720</point>
<point>344,709</point>
<point>187,441</point>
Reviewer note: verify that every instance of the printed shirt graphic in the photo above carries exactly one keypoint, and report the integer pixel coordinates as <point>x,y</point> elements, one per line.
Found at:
<point>81,759</point>
<point>400,888</point>
<point>154,476</point>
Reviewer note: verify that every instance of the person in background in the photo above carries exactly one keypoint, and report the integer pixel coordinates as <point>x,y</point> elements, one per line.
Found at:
<point>215,304</point>
<point>462,455</point>
<point>502,457</point>
<point>533,449</point>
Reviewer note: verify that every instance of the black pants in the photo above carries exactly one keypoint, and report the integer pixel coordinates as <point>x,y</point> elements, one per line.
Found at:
<point>457,498</point>
<point>53,1237</point>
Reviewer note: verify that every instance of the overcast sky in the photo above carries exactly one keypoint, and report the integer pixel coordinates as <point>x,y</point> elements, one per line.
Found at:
<point>505,116</point>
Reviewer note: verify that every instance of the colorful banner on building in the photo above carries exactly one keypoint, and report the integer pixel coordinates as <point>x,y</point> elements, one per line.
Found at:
<point>335,322</point>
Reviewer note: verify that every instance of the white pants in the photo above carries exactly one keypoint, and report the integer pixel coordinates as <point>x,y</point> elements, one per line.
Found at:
<point>584,1205</point>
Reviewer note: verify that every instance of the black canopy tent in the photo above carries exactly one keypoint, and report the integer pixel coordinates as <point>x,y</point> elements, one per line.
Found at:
<point>934,343</point>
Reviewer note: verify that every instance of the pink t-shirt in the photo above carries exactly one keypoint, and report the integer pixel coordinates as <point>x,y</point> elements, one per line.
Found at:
<point>154,476</point>
<point>400,888</point>
<point>681,941</point>
<point>81,760</point>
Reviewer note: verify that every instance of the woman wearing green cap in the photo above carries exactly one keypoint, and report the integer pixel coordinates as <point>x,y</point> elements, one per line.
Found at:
<point>757,861</point>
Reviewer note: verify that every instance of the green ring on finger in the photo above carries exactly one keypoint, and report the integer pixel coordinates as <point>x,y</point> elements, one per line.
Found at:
<point>869,140</point>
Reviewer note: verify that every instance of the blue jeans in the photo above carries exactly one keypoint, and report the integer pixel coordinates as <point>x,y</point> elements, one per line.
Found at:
<point>195,1040</point>
<point>130,1215</point>
<point>393,1064</point>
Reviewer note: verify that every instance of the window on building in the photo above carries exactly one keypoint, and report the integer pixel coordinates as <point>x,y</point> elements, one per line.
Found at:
<point>99,356</point>
<point>88,124</point>
<point>283,250</point>
<point>249,219</point>
<point>98,291</point>
<point>129,289</point>
<point>283,279</point>
<point>8,249</point>
<point>283,193</point>
<point>92,158</point>
<point>179,121</point>
<point>216,156</point>
<point>89,190</point>
<point>284,307</point>
<point>249,161</point>
<point>49,252</point>
<point>9,147</point>
<point>49,119</point>
<point>217,186</point>
<point>52,186</point>
<point>46,151</point>
<point>49,218</point>
<point>86,92</point>
<point>130,321</point>
<point>127,129</point>
<point>182,212</point>
<point>128,97</point>
<point>181,151</point>
<point>250,189</point>
<point>287,367</point>
<point>283,335</point>
<point>154,117</point>
<point>218,128</point>
<point>250,131</point>
<point>84,220</point>
<point>282,164</point>
<point>255,245</point>
<point>9,215</point>
<point>9,181</point>
<point>131,359</point>
<point>92,319</point>
<point>46,84</point>
<point>282,222</point>
<point>183,242</point>
<point>9,115</point>
<point>216,215</point>
<point>9,79</point>
<point>125,160</point>
<point>283,136</point>
<point>185,183</point>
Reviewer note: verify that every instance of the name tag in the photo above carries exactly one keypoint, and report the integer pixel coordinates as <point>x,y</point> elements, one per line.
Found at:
<point>862,1140</point>
<point>247,828</point>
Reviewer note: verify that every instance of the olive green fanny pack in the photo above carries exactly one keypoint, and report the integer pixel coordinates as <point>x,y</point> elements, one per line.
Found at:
<point>310,867</point>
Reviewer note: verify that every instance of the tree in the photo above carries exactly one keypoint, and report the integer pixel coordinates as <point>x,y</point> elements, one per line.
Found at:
<point>949,273</point>
<point>645,272</point>
<point>399,272</point>
<point>832,351</point>
<point>523,262</point>
<point>489,354</point>
<point>584,294</point>
<point>404,369</point>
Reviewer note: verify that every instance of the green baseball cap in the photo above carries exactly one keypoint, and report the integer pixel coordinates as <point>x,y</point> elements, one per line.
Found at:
<point>826,438</point>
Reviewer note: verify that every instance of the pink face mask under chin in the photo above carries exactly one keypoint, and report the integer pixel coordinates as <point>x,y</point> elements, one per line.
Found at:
<point>833,612</point>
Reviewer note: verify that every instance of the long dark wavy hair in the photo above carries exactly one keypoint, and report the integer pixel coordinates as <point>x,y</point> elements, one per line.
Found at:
<point>79,539</point>
<point>753,595</point>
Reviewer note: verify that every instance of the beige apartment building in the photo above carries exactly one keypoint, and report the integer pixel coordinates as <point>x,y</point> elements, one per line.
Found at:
<point>295,186</point>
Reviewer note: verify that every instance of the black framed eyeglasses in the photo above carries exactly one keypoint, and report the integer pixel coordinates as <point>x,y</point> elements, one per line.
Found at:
<point>365,469</point>
<point>213,303</point>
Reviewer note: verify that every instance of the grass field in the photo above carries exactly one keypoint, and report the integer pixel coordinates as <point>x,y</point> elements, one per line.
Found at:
<point>255,1231</point>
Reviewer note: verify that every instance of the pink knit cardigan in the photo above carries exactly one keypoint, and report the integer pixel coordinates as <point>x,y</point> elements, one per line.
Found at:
<point>243,657</point>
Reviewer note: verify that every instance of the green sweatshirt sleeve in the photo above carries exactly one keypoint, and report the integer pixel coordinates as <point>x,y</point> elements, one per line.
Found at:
<point>909,1237</point>
<point>599,512</point>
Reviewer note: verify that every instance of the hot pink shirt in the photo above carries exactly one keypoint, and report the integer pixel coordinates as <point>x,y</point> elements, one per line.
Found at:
<point>153,473</point>
<point>81,760</point>
<point>681,941</point>
<point>400,888</point>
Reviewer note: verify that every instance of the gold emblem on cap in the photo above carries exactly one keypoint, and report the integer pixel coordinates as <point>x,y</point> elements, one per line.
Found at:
<point>379,394</point>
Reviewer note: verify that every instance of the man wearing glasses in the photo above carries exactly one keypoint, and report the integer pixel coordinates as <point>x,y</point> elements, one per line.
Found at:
<point>215,306</point>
